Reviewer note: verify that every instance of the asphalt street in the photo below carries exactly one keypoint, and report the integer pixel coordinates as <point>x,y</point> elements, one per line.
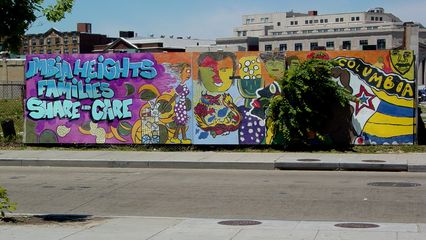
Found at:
<point>248,194</point>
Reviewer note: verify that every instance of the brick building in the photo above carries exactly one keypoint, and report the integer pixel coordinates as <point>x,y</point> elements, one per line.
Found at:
<point>56,42</point>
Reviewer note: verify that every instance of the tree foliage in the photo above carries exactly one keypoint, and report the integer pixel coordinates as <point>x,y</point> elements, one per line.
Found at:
<point>5,204</point>
<point>309,94</point>
<point>18,15</point>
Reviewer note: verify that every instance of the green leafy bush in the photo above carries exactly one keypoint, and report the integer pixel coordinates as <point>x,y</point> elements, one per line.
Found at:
<point>308,102</point>
<point>5,204</point>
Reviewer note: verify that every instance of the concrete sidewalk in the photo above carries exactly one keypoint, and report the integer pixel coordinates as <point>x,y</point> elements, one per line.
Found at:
<point>413,162</point>
<point>153,228</point>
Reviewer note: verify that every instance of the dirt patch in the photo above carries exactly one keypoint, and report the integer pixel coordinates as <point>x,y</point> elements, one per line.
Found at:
<point>51,219</point>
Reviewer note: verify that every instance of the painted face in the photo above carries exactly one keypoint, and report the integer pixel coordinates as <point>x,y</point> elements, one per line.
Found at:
<point>185,74</point>
<point>294,63</point>
<point>275,69</point>
<point>402,61</point>
<point>216,75</point>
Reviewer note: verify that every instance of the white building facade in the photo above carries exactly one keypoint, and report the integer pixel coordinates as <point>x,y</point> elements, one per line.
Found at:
<point>309,31</point>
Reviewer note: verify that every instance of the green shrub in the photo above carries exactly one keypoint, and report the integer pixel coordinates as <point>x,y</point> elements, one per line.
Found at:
<point>307,104</point>
<point>5,204</point>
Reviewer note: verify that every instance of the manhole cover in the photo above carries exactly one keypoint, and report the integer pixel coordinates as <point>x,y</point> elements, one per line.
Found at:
<point>308,160</point>
<point>357,225</point>
<point>394,184</point>
<point>239,223</point>
<point>374,161</point>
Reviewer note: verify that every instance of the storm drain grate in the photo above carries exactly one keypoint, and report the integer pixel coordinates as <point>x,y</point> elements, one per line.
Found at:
<point>308,160</point>
<point>374,161</point>
<point>239,223</point>
<point>357,225</point>
<point>64,217</point>
<point>393,184</point>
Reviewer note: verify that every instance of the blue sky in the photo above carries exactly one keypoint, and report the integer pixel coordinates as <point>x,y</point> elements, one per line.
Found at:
<point>206,19</point>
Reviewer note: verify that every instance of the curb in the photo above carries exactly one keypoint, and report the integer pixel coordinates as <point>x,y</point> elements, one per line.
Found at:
<point>136,164</point>
<point>273,165</point>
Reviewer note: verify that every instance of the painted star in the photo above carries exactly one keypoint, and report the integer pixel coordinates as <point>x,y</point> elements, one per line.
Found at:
<point>364,100</point>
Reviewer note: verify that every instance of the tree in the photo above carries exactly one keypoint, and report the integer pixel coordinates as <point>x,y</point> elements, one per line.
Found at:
<point>18,15</point>
<point>5,204</point>
<point>307,104</point>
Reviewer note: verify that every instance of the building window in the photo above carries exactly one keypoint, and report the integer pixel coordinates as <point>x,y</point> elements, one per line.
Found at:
<point>326,20</point>
<point>41,51</point>
<point>74,39</point>
<point>339,29</point>
<point>291,32</point>
<point>352,19</point>
<point>291,23</point>
<point>381,18</point>
<point>337,19</point>
<point>341,19</point>
<point>244,33</point>
<point>363,42</point>
<point>357,18</point>
<point>66,40</point>
<point>41,41</point>
<point>310,21</point>
<point>372,18</point>
<point>247,21</point>
<point>329,45</point>
<point>49,51</point>
<point>268,47</point>
<point>346,45</point>
<point>381,44</point>
<point>74,50</point>
<point>322,30</point>
<point>316,21</point>
<point>306,21</point>
<point>372,28</point>
<point>314,45</point>
<point>33,42</point>
<point>298,47</point>
<point>296,23</point>
<point>322,21</point>
<point>283,47</point>
<point>66,51</point>
<point>48,41</point>
<point>57,41</point>
<point>278,24</point>
<point>307,31</point>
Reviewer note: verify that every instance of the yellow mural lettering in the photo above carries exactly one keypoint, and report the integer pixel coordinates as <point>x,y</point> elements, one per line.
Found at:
<point>376,78</point>
<point>408,90</point>
<point>399,87</point>
<point>351,64</point>
<point>342,62</point>
<point>367,72</point>
<point>389,84</point>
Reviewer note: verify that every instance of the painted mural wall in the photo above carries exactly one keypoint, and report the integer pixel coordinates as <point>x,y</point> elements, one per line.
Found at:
<point>203,98</point>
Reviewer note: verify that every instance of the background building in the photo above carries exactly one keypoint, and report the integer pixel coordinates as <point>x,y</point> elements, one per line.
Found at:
<point>374,29</point>
<point>56,42</point>
<point>153,44</point>
<point>370,30</point>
